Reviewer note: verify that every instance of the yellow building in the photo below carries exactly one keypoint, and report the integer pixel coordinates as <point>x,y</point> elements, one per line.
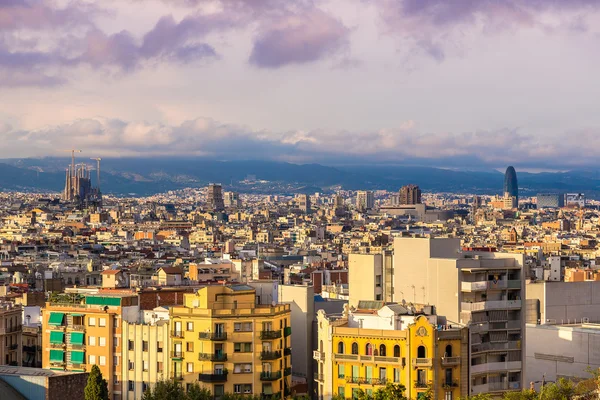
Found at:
<point>379,344</point>
<point>80,331</point>
<point>226,341</point>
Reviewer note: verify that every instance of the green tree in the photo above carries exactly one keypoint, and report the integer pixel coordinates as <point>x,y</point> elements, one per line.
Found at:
<point>196,392</point>
<point>523,395</point>
<point>97,387</point>
<point>391,391</point>
<point>165,390</point>
<point>480,396</point>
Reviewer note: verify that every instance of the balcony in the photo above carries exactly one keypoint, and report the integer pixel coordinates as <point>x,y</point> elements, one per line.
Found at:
<point>487,346</point>
<point>422,362</point>
<point>473,286</point>
<point>212,357</point>
<point>177,334</point>
<point>77,328</point>
<point>346,357</point>
<point>421,385</point>
<point>288,351</point>
<point>177,354</point>
<point>514,284</point>
<point>318,355</point>
<point>57,345</point>
<point>495,366</point>
<point>450,361</point>
<point>450,384</point>
<point>177,376</point>
<point>287,331</point>
<point>490,305</point>
<point>14,346</point>
<point>270,376</point>
<point>217,377</point>
<point>388,360</point>
<point>366,381</point>
<point>270,355</point>
<point>215,336</point>
<point>319,377</point>
<point>268,335</point>
<point>287,372</point>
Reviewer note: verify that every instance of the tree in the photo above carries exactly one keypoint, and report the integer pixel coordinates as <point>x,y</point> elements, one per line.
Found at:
<point>523,395</point>
<point>391,391</point>
<point>97,387</point>
<point>196,392</point>
<point>165,390</point>
<point>480,396</point>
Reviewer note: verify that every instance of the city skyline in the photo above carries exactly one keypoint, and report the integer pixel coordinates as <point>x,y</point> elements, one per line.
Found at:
<point>448,86</point>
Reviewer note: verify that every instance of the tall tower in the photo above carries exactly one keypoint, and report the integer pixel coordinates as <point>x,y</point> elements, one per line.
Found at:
<point>410,195</point>
<point>511,186</point>
<point>214,197</point>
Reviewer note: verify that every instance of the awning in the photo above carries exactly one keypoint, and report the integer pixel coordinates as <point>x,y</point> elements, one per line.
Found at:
<point>56,318</point>
<point>57,356</point>
<point>76,315</point>
<point>77,338</point>
<point>77,357</point>
<point>57,337</point>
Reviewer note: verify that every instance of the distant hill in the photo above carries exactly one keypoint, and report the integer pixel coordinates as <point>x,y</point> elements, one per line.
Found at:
<point>145,176</point>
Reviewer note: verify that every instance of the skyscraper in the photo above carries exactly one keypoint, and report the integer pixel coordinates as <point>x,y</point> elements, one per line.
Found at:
<point>511,186</point>
<point>410,195</point>
<point>214,197</point>
<point>364,200</point>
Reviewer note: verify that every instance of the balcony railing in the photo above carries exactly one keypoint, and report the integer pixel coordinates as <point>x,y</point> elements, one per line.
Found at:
<point>450,361</point>
<point>268,335</point>
<point>78,328</point>
<point>270,355</point>
<point>177,354</point>
<point>216,377</point>
<point>319,377</point>
<point>287,371</point>
<point>287,351</point>
<point>212,357</point>
<point>216,336</point>
<point>495,366</point>
<point>421,385</point>
<point>422,362</point>
<point>57,345</point>
<point>14,346</point>
<point>318,355</point>
<point>359,380</point>
<point>348,357</point>
<point>177,376</point>
<point>490,305</point>
<point>287,331</point>
<point>177,334</point>
<point>450,383</point>
<point>270,376</point>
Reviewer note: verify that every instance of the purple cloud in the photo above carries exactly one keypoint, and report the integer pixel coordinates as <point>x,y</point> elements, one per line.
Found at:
<point>299,38</point>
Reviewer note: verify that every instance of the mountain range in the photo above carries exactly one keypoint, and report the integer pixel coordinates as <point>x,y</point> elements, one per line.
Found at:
<point>146,176</point>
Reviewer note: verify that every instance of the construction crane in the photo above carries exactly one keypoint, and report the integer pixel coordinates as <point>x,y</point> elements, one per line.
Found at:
<point>97,171</point>
<point>73,151</point>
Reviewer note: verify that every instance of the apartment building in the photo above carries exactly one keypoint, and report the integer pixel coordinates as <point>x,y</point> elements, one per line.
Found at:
<point>230,343</point>
<point>484,290</point>
<point>365,277</point>
<point>380,343</point>
<point>11,331</point>
<point>146,357</point>
<point>80,331</point>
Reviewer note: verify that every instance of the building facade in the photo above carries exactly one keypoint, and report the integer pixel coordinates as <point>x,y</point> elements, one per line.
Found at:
<point>368,348</point>
<point>214,197</point>
<point>11,333</point>
<point>410,195</point>
<point>223,339</point>
<point>550,200</point>
<point>365,200</point>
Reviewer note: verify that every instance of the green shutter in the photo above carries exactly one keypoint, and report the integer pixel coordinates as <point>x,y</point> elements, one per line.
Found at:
<point>57,337</point>
<point>103,301</point>
<point>56,318</point>
<point>57,356</point>
<point>77,357</point>
<point>76,337</point>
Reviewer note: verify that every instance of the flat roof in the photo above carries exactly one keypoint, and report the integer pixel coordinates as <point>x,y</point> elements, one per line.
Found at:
<point>9,370</point>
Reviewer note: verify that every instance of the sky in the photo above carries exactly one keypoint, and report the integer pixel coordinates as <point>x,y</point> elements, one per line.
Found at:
<point>448,83</point>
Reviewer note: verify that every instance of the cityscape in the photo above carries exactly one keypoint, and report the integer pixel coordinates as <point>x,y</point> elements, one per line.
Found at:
<point>299,200</point>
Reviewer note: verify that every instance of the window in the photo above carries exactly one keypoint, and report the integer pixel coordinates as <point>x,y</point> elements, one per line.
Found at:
<point>242,388</point>
<point>369,349</point>
<point>242,347</point>
<point>144,387</point>
<point>144,345</point>
<point>116,360</point>
<point>448,351</point>
<point>355,371</point>
<point>101,321</point>
<point>382,374</point>
<point>190,367</point>
<point>131,386</point>
<point>92,340</point>
<point>130,345</point>
<point>189,346</point>
<point>377,280</point>
<point>92,359</point>
<point>341,373</point>
<point>396,375</point>
<point>448,376</point>
<point>421,377</point>
<point>396,351</point>
<point>159,346</point>
<point>146,365</point>
<point>102,341</point>
<point>242,327</point>
<point>341,348</point>
<point>354,348</point>
<point>131,365</point>
<point>355,393</point>
<point>242,368</point>
<point>159,366</point>
<point>448,396</point>
<point>116,341</point>
<point>219,390</point>
<point>92,321</point>
<point>102,360</point>
<point>190,326</point>
<point>421,352</point>
<point>342,392</point>
<point>382,350</point>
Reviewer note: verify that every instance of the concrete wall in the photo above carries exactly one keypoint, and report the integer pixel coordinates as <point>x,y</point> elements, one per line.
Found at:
<point>560,351</point>
<point>568,302</point>
<point>302,305</point>
<point>361,277</point>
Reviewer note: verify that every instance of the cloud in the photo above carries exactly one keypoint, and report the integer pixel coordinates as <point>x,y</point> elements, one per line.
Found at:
<point>434,26</point>
<point>402,144</point>
<point>299,38</point>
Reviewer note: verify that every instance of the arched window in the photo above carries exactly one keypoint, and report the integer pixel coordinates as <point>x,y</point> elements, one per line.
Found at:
<point>421,352</point>
<point>396,351</point>
<point>369,349</point>
<point>382,351</point>
<point>448,351</point>
<point>341,348</point>
<point>354,348</point>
